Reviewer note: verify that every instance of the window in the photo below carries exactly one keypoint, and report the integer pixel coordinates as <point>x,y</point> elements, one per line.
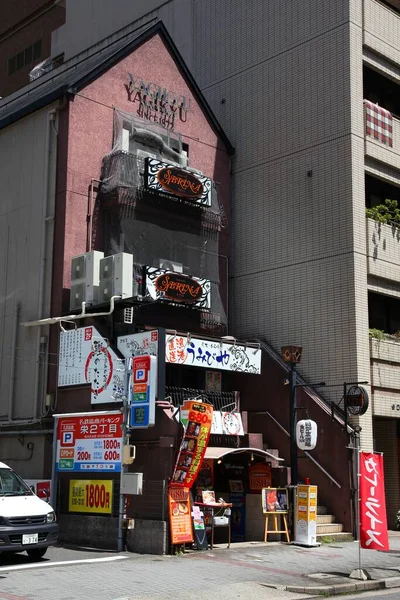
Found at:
<point>25,57</point>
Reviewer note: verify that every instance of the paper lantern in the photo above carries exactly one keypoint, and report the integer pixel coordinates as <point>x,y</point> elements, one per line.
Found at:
<point>306,434</point>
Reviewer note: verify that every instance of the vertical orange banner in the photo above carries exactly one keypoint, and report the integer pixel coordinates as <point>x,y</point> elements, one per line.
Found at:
<point>194,443</point>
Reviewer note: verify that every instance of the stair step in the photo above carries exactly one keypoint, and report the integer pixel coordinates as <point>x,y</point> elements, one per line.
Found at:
<point>329,528</point>
<point>344,536</point>
<point>325,519</point>
<point>322,510</point>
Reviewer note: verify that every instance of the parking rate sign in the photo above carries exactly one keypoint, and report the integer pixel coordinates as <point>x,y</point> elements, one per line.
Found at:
<point>89,443</point>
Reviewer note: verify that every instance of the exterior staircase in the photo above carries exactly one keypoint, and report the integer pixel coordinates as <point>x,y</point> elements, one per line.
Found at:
<point>328,530</point>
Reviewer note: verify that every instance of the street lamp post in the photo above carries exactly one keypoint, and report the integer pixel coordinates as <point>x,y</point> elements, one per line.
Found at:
<point>292,356</point>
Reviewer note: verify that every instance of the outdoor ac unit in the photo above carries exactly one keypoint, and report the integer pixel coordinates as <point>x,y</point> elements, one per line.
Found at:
<point>116,276</point>
<point>85,278</point>
<point>169,265</point>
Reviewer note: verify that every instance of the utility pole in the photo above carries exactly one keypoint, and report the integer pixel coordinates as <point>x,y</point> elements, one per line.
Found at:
<point>125,411</point>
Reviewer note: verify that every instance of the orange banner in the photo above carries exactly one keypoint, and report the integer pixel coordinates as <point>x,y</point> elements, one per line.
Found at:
<point>194,443</point>
<point>180,515</point>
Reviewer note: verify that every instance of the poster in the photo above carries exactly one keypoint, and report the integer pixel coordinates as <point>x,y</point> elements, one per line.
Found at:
<point>194,443</point>
<point>259,477</point>
<point>86,358</point>
<point>90,442</point>
<point>373,522</point>
<point>274,500</point>
<point>90,496</point>
<point>138,344</point>
<point>180,515</point>
<point>238,515</point>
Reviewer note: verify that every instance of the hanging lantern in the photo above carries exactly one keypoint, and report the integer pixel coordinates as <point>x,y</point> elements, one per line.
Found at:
<point>306,434</point>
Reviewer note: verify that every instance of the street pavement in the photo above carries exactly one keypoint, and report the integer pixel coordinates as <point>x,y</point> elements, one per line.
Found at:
<point>253,570</point>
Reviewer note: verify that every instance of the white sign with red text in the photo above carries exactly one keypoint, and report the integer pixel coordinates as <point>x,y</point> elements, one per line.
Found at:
<point>373,522</point>
<point>86,358</point>
<point>89,443</point>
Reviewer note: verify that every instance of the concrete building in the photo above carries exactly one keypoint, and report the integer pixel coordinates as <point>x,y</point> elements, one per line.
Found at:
<point>289,85</point>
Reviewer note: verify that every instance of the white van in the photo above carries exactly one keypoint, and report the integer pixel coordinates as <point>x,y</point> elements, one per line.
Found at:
<point>26,522</point>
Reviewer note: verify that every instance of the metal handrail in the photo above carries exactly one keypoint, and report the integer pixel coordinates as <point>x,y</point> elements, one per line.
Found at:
<point>305,452</point>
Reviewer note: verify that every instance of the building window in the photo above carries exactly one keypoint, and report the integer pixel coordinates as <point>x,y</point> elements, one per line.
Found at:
<point>25,58</point>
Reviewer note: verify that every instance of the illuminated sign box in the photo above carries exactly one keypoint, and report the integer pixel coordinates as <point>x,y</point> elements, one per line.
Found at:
<point>177,288</point>
<point>173,180</point>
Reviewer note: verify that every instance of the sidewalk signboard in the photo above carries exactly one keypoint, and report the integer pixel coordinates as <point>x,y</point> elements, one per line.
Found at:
<point>180,518</point>
<point>306,515</point>
<point>274,500</point>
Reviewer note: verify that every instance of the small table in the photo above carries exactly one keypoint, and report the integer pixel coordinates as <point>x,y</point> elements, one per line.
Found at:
<point>211,511</point>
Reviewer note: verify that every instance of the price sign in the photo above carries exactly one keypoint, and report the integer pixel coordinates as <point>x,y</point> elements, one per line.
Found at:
<point>89,442</point>
<point>90,496</point>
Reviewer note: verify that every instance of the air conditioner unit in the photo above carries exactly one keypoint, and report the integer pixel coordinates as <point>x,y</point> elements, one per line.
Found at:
<point>169,265</point>
<point>85,278</point>
<point>116,277</point>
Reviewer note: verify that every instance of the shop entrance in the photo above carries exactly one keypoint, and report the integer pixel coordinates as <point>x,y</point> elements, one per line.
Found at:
<point>236,476</point>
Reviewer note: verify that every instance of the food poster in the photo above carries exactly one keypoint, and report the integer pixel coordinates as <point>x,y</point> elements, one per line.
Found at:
<point>274,500</point>
<point>205,477</point>
<point>194,443</point>
<point>260,476</point>
<point>180,515</point>
<point>238,516</point>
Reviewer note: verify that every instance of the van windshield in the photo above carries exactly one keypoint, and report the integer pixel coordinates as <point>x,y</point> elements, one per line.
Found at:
<point>11,484</point>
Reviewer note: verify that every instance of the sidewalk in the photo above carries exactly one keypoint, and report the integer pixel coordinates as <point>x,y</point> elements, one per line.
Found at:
<point>321,570</point>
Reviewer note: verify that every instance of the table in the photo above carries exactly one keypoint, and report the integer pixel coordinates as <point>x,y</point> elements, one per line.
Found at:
<point>212,510</point>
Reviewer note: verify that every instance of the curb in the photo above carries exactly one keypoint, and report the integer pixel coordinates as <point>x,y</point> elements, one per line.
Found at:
<point>342,588</point>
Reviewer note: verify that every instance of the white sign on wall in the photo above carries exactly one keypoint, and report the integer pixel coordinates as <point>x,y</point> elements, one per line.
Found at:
<point>212,354</point>
<point>138,344</point>
<point>86,358</point>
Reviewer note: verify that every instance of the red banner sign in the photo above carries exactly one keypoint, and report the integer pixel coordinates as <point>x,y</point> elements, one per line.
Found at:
<point>194,443</point>
<point>373,523</point>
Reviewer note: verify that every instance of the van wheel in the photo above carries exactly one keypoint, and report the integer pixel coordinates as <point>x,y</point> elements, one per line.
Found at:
<point>36,553</point>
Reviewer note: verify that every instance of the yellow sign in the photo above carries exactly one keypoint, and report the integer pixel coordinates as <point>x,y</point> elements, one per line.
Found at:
<point>90,496</point>
<point>307,503</point>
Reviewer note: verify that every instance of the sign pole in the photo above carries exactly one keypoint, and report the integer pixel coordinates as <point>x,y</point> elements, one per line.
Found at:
<point>125,409</point>
<point>358,573</point>
<point>54,474</point>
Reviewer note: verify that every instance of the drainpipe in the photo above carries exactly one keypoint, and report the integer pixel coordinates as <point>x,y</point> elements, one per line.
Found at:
<point>13,363</point>
<point>89,218</point>
<point>46,219</point>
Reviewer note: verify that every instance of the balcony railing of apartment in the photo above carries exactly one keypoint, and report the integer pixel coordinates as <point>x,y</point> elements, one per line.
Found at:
<point>382,27</point>
<point>382,134</point>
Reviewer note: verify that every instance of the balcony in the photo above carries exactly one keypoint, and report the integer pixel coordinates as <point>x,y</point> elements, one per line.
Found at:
<point>383,250</point>
<point>382,29</point>
<point>383,153</point>
<point>385,377</point>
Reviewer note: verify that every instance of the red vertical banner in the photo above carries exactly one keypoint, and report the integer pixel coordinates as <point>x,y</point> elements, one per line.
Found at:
<point>373,522</point>
<point>194,443</point>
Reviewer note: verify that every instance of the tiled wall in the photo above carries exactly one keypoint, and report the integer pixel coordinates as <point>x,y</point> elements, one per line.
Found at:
<point>382,29</point>
<point>385,436</point>
<point>291,102</point>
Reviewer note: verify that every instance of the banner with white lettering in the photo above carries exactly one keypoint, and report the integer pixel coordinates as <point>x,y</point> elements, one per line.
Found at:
<point>373,523</point>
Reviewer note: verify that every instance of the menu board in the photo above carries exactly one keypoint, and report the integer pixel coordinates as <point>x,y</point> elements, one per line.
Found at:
<point>274,500</point>
<point>180,515</point>
<point>194,443</point>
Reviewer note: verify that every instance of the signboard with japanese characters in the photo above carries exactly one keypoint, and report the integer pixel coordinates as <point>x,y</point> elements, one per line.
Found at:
<point>139,344</point>
<point>180,515</point>
<point>194,443</point>
<point>306,434</point>
<point>89,443</point>
<point>142,392</point>
<point>90,496</point>
<point>223,423</point>
<point>306,515</point>
<point>86,358</point>
<point>373,522</point>
<point>212,354</point>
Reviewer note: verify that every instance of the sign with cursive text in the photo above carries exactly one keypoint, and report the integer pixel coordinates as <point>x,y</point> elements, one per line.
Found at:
<point>373,522</point>
<point>176,287</point>
<point>176,181</point>
<point>212,354</point>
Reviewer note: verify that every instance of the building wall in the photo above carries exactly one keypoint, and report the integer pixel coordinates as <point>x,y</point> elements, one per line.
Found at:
<point>106,18</point>
<point>21,25</point>
<point>291,101</point>
<point>386,441</point>
<point>26,253</point>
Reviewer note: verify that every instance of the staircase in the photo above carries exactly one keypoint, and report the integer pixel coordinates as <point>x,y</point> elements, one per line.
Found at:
<point>328,530</point>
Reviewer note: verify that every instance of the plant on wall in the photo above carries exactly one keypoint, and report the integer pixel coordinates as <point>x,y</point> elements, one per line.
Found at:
<point>377,334</point>
<point>385,213</point>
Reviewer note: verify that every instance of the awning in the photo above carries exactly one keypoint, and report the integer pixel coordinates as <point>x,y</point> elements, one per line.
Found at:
<point>217,452</point>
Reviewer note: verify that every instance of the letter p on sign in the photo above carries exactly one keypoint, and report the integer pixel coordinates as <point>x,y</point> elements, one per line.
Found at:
<point>67,438</point>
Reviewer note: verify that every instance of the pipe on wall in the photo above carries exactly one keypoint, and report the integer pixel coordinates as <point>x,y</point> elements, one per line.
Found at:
<point>13,363</point>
